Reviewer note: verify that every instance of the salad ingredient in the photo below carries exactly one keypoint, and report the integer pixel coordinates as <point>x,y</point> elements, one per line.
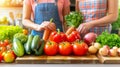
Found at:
<point>51,48</point>
<point>89,38</point>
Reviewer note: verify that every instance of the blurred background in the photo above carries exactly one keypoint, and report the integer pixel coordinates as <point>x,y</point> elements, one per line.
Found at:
<point>11,13</point>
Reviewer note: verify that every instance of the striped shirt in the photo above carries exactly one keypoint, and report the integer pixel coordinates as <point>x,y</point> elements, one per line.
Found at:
<point>93,10</point>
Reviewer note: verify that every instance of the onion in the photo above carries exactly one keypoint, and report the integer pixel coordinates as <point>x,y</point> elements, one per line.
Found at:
<point>115,48</point>
<point>89,38</point>
<point>107,47</point>
<point>92,50</point>
<point>97,45</point>
<point>113,52</point>
<point>118,51</point>
<point>103,51</point>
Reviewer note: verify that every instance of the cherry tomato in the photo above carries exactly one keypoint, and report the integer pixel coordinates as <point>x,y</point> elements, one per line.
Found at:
<point>1,57</point>
<point>2,49</point>
<point>1,43</point>
<point>25,31</point>
<point>6,42</point>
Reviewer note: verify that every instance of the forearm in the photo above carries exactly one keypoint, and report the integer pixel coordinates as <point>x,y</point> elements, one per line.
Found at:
<point>111,17</point>
<point>29,24</point>
<point>105,20</point>
<point>66,12</point>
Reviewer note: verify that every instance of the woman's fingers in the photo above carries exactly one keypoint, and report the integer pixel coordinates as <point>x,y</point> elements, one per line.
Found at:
<point>82,29</point>
<point>52,26</point>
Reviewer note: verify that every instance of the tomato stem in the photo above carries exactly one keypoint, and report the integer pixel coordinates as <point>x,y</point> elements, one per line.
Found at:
<point>49,42</point>
<point>63,43</point>
<point>58,31</point>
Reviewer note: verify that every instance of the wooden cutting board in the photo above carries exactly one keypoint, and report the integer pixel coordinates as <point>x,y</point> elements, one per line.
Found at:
<point>109,60</point>
<point>89,59</point>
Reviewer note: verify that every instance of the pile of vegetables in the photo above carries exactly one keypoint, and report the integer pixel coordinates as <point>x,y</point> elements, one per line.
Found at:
<point>108,39</point>
<point>7,32</point>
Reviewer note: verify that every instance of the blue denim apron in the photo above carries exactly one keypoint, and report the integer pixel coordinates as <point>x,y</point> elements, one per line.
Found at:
<point>44,12</point>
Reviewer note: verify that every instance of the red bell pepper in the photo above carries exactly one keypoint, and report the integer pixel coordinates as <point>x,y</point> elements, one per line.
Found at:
<point>57,36</point>
<point>73,36</point>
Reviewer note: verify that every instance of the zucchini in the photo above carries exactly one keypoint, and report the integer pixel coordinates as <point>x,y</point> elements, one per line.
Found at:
<point>40,50</point>
<point>28,44</point>
<point>35,43</point>
<point>18,48</point>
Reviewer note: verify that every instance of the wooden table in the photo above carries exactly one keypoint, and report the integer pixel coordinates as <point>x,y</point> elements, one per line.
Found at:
<point>108,60</point>
<point>89,59</point>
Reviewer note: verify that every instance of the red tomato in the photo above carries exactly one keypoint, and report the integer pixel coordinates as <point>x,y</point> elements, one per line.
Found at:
<point>65,48</point>
<point>1,43</point>
<point>1,57</point>
<point>6,42</point>
<point>80,48</point>
<point>9,57</point>
<point>2,49</point>
<point>25,31</point>
<point>51,48</point>
<point>9,46</point>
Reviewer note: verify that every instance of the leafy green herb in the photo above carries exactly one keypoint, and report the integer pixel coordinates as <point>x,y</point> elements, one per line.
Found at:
<point>7,32</point>
<point>109,39</point>
<point>74,18</point>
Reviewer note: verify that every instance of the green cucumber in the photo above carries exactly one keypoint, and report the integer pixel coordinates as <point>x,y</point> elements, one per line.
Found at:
<point>40,50</point>
<point>35,43</point>
<point>28,44</point>
<point>18,48</point>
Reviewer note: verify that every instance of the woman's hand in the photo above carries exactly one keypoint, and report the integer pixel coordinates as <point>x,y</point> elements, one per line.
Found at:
<point>46,25</point>
<point>49,25</point>
<point>84,28</point>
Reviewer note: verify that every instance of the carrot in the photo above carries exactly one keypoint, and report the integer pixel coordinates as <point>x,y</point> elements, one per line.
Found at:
<point>69,31</point>
<point>47,32</point>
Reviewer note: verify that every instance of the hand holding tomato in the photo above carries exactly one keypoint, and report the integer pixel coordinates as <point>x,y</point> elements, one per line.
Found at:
<point>65,48</point>
<point>80,48</point>
<point>51,48</point>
